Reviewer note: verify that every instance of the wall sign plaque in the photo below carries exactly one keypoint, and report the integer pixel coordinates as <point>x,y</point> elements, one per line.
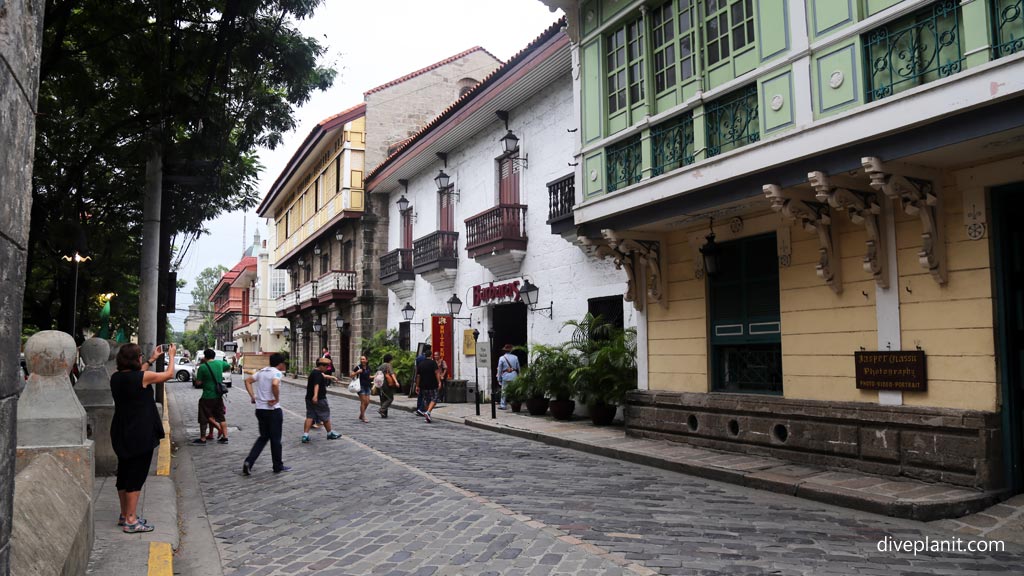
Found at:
<point>902,370</point>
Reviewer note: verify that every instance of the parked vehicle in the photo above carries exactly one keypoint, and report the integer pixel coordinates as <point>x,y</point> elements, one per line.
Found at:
<point>219,355</point>
<point>182,369</point>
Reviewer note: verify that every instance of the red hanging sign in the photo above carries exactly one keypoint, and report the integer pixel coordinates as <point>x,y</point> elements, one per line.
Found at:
<point>441,337</point>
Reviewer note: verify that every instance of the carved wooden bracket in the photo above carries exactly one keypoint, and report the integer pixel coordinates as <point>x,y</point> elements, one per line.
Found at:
<point>863,209</point>
<point>814,217</point>
<point>641,257</point>
<point>917,197</point>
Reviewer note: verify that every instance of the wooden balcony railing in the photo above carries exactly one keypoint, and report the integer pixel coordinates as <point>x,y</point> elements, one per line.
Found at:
<point>561,197</point>
<point>437,250</point>
<point>396,265</point>
<point>500,228</point>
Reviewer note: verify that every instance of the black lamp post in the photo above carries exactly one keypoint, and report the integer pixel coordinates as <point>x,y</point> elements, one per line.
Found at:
<point>494,405</point>
<point>442,180</point>
<point>407,313</point>
<point>339,322</point>
<point>476,361</point>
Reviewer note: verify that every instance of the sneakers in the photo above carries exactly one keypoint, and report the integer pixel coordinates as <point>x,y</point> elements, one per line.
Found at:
<point>305,438</point>
<point>222,440</point>
<point>139,526</point>
<point>420,412</point>
<point>333,435</point>
<point>502,408</point>
<point>246,468</point>
<point>121,522</point>
<point>199,442</point>
<point>426,415</point>
<point>283,469</point>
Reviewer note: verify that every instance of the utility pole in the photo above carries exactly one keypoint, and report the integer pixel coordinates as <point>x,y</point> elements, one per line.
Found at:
<point>150,250</point>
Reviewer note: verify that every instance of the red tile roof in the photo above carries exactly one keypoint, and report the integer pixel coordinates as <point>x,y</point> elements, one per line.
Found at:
<point>231,275</point>
<point>491,78</point>
<point>411,75</point>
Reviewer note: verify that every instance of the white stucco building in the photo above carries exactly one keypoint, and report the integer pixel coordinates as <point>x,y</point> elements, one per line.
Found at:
<point>492,226</point>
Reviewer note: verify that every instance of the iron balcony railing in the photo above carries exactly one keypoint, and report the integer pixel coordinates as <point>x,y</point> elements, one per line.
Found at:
<point>731,121</point>
<point>672,144</point>
<point>504,224</point>
<point>436,250</point>
<point>1008,27</point>
<point>914,50</point>
<point>561,197</point>
<point>624,165</point>
<point>396,265</point>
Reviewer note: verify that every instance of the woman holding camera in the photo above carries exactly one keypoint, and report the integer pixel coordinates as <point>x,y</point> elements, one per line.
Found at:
<point>136,429</point>
<point>362,372</point>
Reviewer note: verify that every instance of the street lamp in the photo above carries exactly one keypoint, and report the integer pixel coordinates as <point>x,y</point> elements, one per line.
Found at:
<point>494,407</point>
<point>529,294</point>
<point>710,250</point>
<point>407,314</point>
<point>476,362</point>
<point>455,306</point>
<point>339,322</point>
<point>77,259</point>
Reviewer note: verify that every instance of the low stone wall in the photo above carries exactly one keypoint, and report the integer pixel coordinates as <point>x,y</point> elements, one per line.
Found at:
<point>52,525</point>
<point>931,444</point>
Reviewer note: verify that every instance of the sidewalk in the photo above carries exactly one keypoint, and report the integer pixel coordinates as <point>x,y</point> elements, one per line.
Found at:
<point>898,497</point>
<point>113,551</point>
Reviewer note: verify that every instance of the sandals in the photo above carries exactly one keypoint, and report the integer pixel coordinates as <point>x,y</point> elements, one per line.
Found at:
<point>139,526</point>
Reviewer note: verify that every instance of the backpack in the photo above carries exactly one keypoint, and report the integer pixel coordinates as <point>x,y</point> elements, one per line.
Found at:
<point>378,379</point>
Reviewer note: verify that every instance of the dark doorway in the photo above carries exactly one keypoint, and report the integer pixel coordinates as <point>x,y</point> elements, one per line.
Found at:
<point>609,308</point>
<point>346,350</point>
<point>509,322</point>
<point>1008,257</point>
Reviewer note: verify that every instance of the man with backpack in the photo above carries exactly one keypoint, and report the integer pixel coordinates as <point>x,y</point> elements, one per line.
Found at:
<point>386,382</point>
<point>212,411</point>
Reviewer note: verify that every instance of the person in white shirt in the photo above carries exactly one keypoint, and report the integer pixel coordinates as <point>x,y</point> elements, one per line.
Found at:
<point>264,388</point>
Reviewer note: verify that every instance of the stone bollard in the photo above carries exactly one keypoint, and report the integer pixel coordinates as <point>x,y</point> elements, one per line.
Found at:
<point>51,420</point>
<point>93,391</point>
<point>115,347</point>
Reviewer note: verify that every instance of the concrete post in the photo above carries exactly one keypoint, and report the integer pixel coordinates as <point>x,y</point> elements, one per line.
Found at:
<point>115,347</point>
<point>149,277</point>
<point>50,418</point>
<point>21,37</point>
<point>93,391</point>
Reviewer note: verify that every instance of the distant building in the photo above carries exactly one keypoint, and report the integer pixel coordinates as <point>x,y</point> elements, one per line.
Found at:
<point>194,319</point>
<point>263,333</point>
<point>231,299</point>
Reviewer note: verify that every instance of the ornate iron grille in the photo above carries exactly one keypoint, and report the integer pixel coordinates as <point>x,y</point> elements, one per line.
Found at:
<point>732,121</point>
<point>673,144</point>
<point>920,48</point>
<point>750,368</point>
<point>1008,24</point>
<point>623,163</point>
<point>561,197</point>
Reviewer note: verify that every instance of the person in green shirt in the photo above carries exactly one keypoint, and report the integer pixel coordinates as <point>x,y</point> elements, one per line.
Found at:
<point>211,404</point>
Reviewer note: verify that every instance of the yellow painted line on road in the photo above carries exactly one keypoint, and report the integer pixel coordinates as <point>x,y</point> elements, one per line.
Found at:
<point>161,559</point>
<point>163,455</point>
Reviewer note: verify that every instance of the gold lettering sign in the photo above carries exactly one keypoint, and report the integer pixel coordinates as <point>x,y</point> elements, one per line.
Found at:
<point>891,370</point>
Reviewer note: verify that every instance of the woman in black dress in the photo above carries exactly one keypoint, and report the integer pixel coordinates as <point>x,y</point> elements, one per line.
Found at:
<point>136,429</point>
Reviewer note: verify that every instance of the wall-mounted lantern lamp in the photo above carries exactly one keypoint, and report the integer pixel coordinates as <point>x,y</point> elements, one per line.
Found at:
<point>510,143</point>
<point>710,250</point>
<point>338,235</point>
<point>287,332</point>
<point>317,325</point>
<point>455,306</point>
<point>442,179</point>
<point>302,262</point>
<point>339,322</point>
<point>316,249</point>
<point>408,312</point>
<point>403,204</point>
<point>529,293</point>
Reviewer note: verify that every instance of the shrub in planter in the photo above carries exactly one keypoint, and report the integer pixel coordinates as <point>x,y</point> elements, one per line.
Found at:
<point>549,372</point>
<point>516,393</point>
<point>607,365</point>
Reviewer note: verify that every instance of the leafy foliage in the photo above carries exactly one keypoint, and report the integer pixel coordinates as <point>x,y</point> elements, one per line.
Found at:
<point>548,373</point>
<point>386,342</point>
<point>607,360</point>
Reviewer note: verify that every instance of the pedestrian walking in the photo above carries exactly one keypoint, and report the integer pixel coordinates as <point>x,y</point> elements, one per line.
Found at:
<point>324,353</point>
<point>317,407</point>
<point>362,372</point>
<point>443,366</point>
<point>387,390</point>
<point>508,370</point>
<point>264,388</point>
<point>212,411</point>
<point>428,382</point>
<point>136,429</point>
<point>420,406</point>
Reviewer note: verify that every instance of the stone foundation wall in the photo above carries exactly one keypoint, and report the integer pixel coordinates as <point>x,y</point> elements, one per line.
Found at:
<point>960,447</point>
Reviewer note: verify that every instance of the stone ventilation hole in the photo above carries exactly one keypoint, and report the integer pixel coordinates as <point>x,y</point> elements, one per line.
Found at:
<point>734,428</point>
<point>692,424</point>
<point>780,432</point>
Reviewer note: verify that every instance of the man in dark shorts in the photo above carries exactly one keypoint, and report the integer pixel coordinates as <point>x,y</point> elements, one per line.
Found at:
<point>316,401</point>
<point>428,382</point>
<point>211,404</point>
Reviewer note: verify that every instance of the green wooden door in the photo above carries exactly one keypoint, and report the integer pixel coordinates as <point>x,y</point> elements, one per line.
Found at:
<point>1008,244</point>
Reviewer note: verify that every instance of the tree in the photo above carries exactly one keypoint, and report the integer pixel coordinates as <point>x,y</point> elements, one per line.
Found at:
<point>208,81</point>
<point>205,283</point>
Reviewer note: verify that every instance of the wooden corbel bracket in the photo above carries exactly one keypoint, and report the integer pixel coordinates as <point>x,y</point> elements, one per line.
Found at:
<point>643,258</point>
<point>863,210</point>
<point>918,197</point>
<point>816,218</point>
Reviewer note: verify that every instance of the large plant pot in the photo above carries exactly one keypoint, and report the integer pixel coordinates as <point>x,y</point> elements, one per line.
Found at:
<point>537,406</point>
<point>602,414</point>
<point>517,407</point>
<point>562,409</point>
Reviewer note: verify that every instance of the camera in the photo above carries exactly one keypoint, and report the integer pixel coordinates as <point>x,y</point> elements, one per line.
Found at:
<point>165,347</point>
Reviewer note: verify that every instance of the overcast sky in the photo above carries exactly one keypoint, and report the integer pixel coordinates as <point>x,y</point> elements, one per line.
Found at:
<point>369,43</point>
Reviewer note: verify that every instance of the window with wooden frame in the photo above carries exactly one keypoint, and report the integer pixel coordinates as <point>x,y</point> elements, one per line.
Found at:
<point>663,39</point>
<point>406,224</point>
<point>624,56</point>
<point>508,181</point>
<point>446,209</point>
<point>325,262</point>
<point>744,313</point>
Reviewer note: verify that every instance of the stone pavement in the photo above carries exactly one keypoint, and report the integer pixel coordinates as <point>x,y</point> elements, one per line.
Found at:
<point>903,498</point>
<point>403,497</point>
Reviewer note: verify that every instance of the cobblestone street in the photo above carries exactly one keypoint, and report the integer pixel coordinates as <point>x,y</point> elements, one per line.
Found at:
<point>399,496</point>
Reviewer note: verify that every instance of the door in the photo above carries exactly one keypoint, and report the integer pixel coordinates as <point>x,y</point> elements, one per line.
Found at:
<point>509,322</point>
<point>446,210</point>
<point>1008,257</point>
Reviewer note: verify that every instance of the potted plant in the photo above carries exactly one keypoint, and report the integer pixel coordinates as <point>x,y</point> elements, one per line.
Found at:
<point>607,366</point>
<point>515,393</point>
<point>548,376</point>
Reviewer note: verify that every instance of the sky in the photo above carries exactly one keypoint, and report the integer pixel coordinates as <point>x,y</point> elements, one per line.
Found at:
<point>368,46</point>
